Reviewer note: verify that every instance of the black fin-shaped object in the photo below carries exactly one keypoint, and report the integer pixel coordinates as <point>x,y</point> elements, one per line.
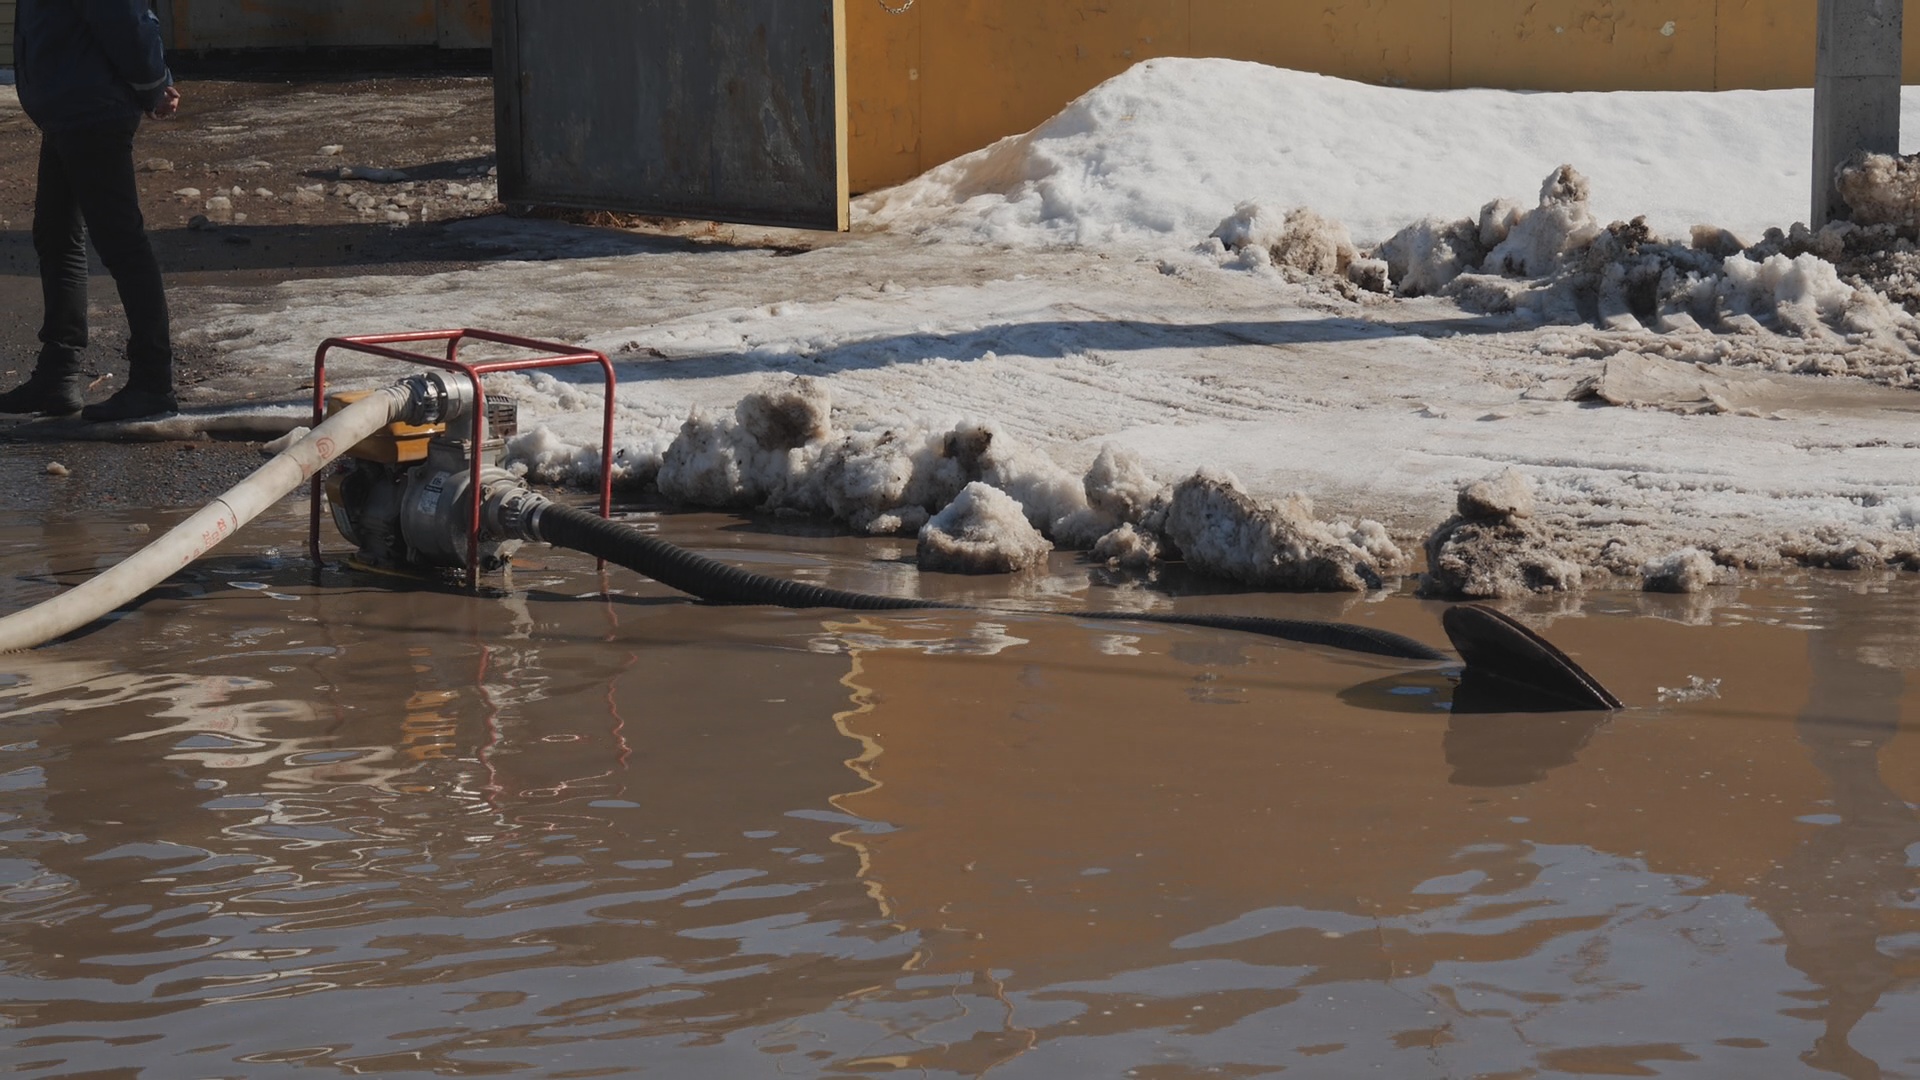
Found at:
<point>1512,669</point>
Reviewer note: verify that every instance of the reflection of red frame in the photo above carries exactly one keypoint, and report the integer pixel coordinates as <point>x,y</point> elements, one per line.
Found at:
<point>380,345</point>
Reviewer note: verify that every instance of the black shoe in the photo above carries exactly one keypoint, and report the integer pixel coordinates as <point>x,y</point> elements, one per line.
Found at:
<point>133,403</point>
<point>52,390</point>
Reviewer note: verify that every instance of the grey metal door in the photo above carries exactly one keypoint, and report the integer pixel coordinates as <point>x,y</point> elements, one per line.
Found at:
<point>730,110</point>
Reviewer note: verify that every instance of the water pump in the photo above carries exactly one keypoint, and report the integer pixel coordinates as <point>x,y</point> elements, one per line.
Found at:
<point>404,497</point>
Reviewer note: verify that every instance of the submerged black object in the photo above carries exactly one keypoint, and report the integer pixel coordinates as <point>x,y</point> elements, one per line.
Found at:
<point>717,582</point>
<point>1512,669</point>
<point>1508,667</point>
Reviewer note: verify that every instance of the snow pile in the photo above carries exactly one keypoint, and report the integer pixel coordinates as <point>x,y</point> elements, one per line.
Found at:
<point>1536,240</point>
<point>1163,151</point>
<point>1300,244</point>
<point>1223,531</point>
<point>1128,548</point>
<point>983,531</point>
<point>1688,570</point>
<point>1494,547</point>
<point>778,450</point>
<point>1881,189</point>
<point>1554,264</point>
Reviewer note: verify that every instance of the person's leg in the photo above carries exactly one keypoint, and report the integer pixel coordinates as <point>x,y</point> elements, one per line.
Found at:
<point>60,244</point>
<point>100,161</point>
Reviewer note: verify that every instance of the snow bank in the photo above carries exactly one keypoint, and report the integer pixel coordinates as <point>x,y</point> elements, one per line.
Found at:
<point>1223,531</point>
<point>1167,149</point>
<point>1553,263</point>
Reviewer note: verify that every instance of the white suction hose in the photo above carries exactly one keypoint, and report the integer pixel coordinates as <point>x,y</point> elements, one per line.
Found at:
<point>215,522</point>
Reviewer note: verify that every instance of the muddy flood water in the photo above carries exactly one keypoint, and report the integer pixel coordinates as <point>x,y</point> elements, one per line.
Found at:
<point>271,820</point>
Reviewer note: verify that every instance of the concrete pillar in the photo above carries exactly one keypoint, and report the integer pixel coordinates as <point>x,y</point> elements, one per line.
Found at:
<point>1856,91</point>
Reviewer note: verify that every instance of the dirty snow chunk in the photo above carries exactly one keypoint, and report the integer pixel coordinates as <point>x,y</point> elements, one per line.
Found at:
<point>156,164</point>
<point>188,192</point>
<point>1300,241</point>
<point>1054,498</point>
<point>1881,189</point>
<point>1801,294</point>
<point>283,442</point>
<point>713,463</point>
<point>1127,548</point>
<point>1227,533</point>
<point>1716,241</point>
<point>1425,257</point>
<point>1562,222</point>
<point>1490,559</point>
<point>1119,484</point>
<point>983,531</point>
<point>54,468</point>
<point>1499,498</point>
<point>788,415</point>
<point>1250,225</point>
<point>1497,219</point>
<point>1688,570</point>
<point>1314,245</point>
<point>331,150</point>
<point>766,453</point>
<point>1373,275</point>
<point>898,522</point>
<point>1493,547</point>
<point>544,457</point>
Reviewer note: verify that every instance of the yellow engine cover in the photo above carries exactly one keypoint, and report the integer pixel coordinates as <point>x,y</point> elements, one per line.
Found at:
<point>398,443</point>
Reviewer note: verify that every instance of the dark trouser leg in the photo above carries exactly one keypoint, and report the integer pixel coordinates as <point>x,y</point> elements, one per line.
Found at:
<point>54,386</point>
<point>60,243</point>
<point>96,165</point>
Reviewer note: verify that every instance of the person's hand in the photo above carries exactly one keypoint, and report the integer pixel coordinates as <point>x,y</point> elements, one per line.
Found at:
<point>169,104</point>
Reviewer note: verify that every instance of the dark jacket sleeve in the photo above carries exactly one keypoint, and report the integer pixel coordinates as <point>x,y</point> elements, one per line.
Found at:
<point>129,33</point>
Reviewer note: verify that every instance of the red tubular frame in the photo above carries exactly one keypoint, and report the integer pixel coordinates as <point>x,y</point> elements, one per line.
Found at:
<point>380,345</point>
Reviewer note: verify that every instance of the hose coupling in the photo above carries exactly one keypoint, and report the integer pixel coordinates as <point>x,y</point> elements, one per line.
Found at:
<point>513,512</point>
<point>434,398</point>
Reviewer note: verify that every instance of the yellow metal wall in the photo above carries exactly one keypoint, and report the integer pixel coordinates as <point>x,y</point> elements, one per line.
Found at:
<point>950,76</point>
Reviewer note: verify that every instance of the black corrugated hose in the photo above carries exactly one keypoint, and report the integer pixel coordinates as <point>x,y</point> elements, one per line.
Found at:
<point>716,582</point>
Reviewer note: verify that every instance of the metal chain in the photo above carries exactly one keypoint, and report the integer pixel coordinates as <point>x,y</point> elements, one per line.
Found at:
<point>901,10</point>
